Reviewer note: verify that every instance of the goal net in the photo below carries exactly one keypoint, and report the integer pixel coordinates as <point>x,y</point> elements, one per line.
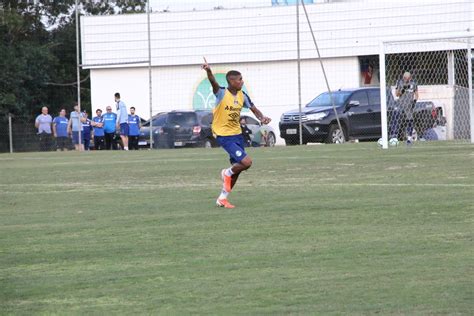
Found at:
<point>426,87</point>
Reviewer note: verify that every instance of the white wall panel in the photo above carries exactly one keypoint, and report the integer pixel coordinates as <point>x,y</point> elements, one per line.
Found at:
<point>263,34</point>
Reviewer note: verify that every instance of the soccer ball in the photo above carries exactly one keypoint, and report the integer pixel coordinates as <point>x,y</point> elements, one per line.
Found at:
<point>393,142</point>
<point>380,142</point>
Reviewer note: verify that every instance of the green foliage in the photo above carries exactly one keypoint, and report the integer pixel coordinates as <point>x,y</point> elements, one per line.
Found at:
<point>38,53</point>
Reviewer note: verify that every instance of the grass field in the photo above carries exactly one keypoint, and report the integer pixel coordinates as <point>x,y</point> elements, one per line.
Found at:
<point>348,229</point>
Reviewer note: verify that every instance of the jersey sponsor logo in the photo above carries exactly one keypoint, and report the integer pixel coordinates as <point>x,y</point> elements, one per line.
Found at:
<point>232,109</point>
<point>234,116</point>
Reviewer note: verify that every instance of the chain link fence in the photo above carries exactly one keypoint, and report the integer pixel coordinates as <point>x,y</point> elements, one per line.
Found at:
<point>19,134</point>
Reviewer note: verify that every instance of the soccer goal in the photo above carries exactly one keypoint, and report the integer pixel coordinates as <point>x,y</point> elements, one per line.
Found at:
<point>426,87</point>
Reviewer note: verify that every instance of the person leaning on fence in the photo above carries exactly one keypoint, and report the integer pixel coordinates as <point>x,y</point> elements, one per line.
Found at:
<point>407,93</point>
<point>110,119</point>
<point>98,126</point>
<point>43,123</point>
<point>60,124</point>
<point>134,125</point>
<point>75,127</point>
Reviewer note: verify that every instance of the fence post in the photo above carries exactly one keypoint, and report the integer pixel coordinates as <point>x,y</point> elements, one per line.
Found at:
<point>10,133</point>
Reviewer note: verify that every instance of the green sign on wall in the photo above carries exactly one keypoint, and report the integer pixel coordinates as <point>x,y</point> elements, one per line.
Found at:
<point>203,98</point>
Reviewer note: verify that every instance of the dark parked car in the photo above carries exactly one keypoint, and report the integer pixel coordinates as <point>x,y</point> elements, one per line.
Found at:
<point>179,129</point>
<point>157,126</point>
<point>359,115</point>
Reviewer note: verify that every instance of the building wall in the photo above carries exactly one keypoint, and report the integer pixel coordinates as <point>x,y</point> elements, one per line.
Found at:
<point>269,33</point>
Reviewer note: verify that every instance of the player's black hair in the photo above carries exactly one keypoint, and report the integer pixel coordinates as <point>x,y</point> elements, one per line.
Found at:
<point>232,73</point>
<point>117,95</point>
<point>132,107</point>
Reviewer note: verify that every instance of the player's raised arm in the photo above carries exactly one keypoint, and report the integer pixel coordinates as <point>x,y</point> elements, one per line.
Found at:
<point>210,76</point>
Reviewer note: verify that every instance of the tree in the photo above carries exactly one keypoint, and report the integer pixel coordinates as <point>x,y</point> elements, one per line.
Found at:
<point>38,53</point>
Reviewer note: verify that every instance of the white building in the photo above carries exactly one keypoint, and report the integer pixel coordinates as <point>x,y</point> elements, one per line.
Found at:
<point>259,42</point>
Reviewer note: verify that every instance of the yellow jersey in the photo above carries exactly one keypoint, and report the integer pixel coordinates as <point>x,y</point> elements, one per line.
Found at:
<point>226,120</point>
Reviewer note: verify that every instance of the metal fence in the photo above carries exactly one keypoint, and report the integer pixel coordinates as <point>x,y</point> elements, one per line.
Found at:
<point>18,134</point>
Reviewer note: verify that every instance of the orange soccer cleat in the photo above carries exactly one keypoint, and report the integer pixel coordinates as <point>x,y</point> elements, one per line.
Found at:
<point>224,203</point>
<point>227,181</point>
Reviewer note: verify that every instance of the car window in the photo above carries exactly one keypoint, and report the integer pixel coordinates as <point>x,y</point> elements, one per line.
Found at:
<point>157,121</point>
<point>325,99</point>
<point>374,97</point>
<point>160,121</point>
<point>360,96</point>
<point>251,121</point>
<point>206,120</point>
<point>182,118</point>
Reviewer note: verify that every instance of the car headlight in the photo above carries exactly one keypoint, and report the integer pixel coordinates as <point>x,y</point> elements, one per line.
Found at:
<point>281,117</point>
<point>316,116</point>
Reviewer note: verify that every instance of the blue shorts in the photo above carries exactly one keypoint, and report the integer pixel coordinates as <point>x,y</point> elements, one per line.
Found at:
<point>234,145</point>
<point>75,138</point>
<point>123,129</point>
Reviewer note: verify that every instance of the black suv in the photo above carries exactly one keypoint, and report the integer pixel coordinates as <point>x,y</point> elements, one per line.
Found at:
<point>179,129</point>
<point>359,115</point>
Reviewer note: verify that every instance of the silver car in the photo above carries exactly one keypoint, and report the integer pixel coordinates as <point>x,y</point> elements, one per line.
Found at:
<point>268,138</point>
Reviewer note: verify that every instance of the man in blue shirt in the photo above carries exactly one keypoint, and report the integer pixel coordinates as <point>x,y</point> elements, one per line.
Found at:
<point>122,120</point>
<point>86,131</point>
<point>98,125</point>
<point>134,125</point>
<point>110,119</point>
<point>60,124</point>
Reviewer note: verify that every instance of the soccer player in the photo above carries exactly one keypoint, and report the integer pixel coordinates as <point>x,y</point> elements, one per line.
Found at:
<point>122,120</point>
<point>134,125</point>
<point>60,124</point>
<point>226,127</point>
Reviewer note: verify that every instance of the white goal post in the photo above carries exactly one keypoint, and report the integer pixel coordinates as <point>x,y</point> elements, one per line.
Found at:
<point>441,73</point>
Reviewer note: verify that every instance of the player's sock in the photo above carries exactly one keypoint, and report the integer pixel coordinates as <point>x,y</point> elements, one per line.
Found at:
<point>125,148</point>
<point>224,194</point>
<point>229,172</point>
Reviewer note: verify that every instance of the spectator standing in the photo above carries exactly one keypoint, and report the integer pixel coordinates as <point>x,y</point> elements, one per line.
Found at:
<point>110,119</point>
<point>60,124</point>
<point>134,125</point>
<point>122,120</point>
<point>75,128</point>
<point>43,124</point>
<point>245,132</point>
<point>98,126</point>
<point>86,131</point>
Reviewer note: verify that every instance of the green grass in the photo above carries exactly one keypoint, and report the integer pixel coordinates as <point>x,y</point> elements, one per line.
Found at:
<point>347,229</point>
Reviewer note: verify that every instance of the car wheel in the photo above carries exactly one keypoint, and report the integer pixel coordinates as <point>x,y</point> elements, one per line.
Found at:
<point>271,140</point>
<point>207,143</point>
<point>336,135</point>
